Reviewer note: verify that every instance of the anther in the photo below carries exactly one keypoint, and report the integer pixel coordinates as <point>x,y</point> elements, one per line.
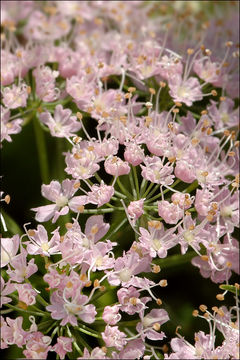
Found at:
<point>159,301</point>
<point>163,283</point>
<point>68,226</point>
<point>76,185</point>
<point>190,51</point>
<point>80,209</point>
<point>162,84</point>
<point>31,232</point>
<point>156,326</point>
<point>156,269</point>
<point>195,313</point>
<point>131,89</point>
<point>214,93</point>
<point>203,308</point>
<point>220,297</point>
<point>204,112</point>
<point>96,283</point>
<point>7,199</point>
<point>151,90</point>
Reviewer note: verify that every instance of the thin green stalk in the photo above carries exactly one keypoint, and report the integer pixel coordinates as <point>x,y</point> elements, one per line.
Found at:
<point>128,195</point>
<point>191,187</point>
<point>143,187</point>
<point>132,186</point>
<point>98,211</point>
<point>117,228</point>
<point>136,181</point>
<point>74,342</point>
<point>120,194</point>
<point>98,178</point>
<point>25,311</point>
<point>164,192</point>
<point>153,190</point>
<point>89,333</point>
<point>148,189</point>
<point>42,150</point>
<point>175,260</point>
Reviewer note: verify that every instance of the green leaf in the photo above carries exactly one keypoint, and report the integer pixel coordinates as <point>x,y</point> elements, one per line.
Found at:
<point>231,288</point>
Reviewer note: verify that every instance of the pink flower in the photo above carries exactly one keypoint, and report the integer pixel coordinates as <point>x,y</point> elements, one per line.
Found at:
<point>134,154</point>
<point>12,332</point>
<point>150,322</point>
<point>39,243</point>
<point>16,96</point>
<point>133,350</point>
<point>62,196</point>
<point>9,127</point>
<point>130,300</point>
<point>26,293</point>
<point>135,208</point>
<point>37,346</point>
<point>45,83</point>
<point>6,289</point>
<point>22,268</point>
<point>157,172</point>
<point>186,91</point>
<point>114,337</point>
<point>68,310</point>
<point>115,166</point>
<point>170,212</point>
<point>185,171</point>
<point>63,346</point>
<point>100,194</point>
<point>111,314</point>
<point>96,353</point>
<point>9,248</point>
<point>62,124</point>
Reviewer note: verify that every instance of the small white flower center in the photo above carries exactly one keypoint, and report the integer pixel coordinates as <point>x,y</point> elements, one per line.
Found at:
<point>61,201</point>
<point>226,211</point>
<point>188,236</point>
<point>125,275</point>
<point>45,247</point>
<point>156,244</point>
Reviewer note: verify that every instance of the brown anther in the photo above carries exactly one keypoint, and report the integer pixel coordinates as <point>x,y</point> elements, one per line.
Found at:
<point>163,283</point>
<point>178,104</point>
<point>133,301</point>
<point>215,308</point>
<point>226,64</point>
<point>202,47</point>
<point>159,302</point>
<point>68,226</point>
<point>39,109</point>
<point>7,199</point>
<point>165,348</point>
<point>156,326</point>
<point>214,206</point>
<point>94,229</point>
<point>206,315</point>
<point>220,312</point>
<point>195,313</point>
<point>229,44</point>
<point>236,144</point>
<point>209,131</point>
<point>69,284</point>
<point>229,264</point>
<point>155,224</point>
<point>172,159</point>
<point>231,153</point>
<point>187,213</point>
<point>191,227</point>
<point>177,328</point>
<point>100,65</point>
<point>234,326</point>
<point>123,119</point>
<point>208,52</point>
<point>77,156</point>
<point>156,269</point>
<point>128,96</point>
<point>88,283</point>
<point>152,91</point>
<point>131,89</point>
<point>98,21</point>
<point>102,288</point>
<point>89,109</point>
<point>210,217</point>
<point>83,277</point>
<point>170,126</point>
<point>61,238</point>
<point>237,286</point>
<point>233,135</point>
<point>203,129</point>
<point>148,120</point>
<point>220,297</point>
<point>190,51</point>
<point>176,202</point>
<point>222,98</point>
<point>76,139</point>
<point>79,116</point>
<point>22,305</point>
<point>204,112</point>
<point>104,349</point>
<point>206,149</point>
<point>80,209</point>
<point>47,289</point>
<point>162,84</point>
<point>96,283</point>
<point>175,111</point>
<point>195,141</point>
<point>214,93</point>
<point>203,308</point>
<point>204,173</point>
<point>31,232</point>
<point>76,185</point>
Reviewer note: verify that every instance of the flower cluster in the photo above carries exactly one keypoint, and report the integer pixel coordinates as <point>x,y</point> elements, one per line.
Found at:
<point>149,121</point>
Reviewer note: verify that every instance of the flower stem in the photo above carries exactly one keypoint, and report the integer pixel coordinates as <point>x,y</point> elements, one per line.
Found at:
<point>42,150</point>
<point>26,311</point>
<point>136,181</point>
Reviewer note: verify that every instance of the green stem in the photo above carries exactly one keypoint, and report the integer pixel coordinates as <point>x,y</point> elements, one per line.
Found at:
<point>132,186</point>
<point>164,192</point>
<point>89,333</point>
<point>42,150</point>
<point>148,189</point>
<point>25,311</point>
<point>120,194</point>
<point>191,187</point>
<point>12,226</point>
<point>136,181</point>
<point>153,190</point>
<point>143,187</point>
<point>117,228</point>
<point>175,260</point>
<point>98,178</point>
<point>74,342</point>
<point>98,211</point>
<point>128,195</point>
